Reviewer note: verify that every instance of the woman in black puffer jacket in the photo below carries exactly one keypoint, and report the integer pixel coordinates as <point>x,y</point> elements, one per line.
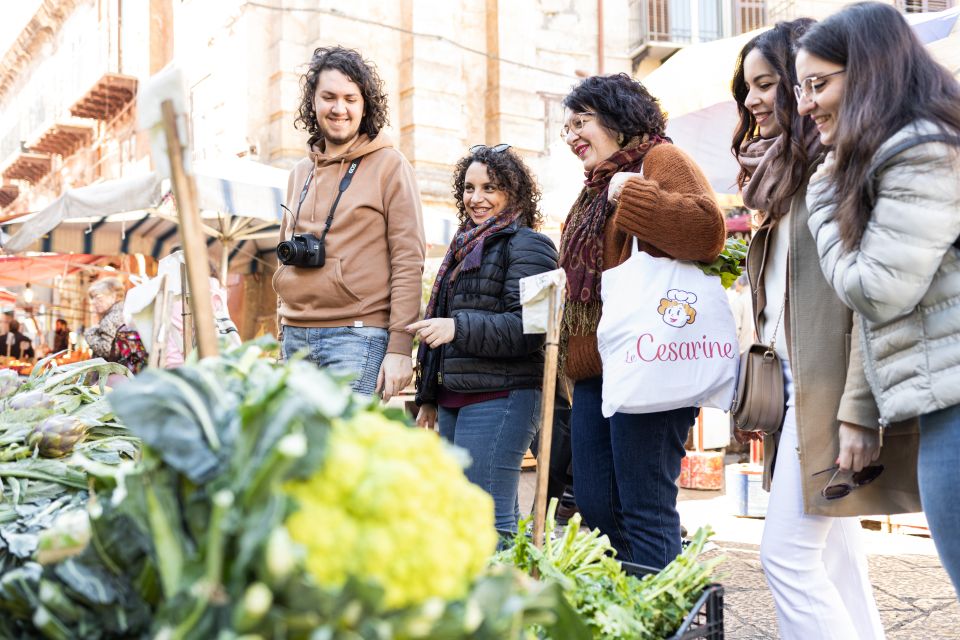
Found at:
<point>478,374</point>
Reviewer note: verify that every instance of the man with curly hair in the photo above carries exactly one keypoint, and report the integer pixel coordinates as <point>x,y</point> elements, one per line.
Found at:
<point>358,195</point>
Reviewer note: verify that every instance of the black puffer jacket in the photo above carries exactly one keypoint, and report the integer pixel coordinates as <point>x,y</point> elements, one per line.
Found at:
<point>489,351</point>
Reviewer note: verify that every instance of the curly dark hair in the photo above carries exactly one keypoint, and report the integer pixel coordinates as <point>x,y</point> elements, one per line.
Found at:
<point>350,63</point>
<point>508,171</point>
<point>621,103</point>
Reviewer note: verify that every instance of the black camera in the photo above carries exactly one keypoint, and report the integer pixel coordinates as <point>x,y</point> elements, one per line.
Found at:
<point>302,250</point>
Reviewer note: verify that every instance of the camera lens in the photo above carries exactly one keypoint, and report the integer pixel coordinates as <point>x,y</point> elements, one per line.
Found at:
<point>287,251</point>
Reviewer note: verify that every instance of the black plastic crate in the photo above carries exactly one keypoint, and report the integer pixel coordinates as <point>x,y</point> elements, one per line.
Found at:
<point>705,619</point>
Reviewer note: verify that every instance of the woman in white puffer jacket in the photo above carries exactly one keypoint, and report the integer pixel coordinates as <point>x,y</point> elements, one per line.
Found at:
<point>885,213</point>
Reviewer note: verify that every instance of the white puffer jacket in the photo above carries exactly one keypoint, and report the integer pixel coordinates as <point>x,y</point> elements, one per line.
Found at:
<point>904,279</point>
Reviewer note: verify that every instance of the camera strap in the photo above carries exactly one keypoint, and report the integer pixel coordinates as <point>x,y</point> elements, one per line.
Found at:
<point>344,183</point>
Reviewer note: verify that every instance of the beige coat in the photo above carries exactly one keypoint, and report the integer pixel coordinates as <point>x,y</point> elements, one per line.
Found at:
<point>829,382</point>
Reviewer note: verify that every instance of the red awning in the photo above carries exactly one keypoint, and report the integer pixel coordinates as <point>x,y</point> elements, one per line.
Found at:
<point>19,270</point>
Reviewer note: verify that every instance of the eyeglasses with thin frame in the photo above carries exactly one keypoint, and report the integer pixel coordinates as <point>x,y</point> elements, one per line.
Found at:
<point>503,146</point>
<point>808,86</point>
<point>577,124</point>
<point>860,478</point>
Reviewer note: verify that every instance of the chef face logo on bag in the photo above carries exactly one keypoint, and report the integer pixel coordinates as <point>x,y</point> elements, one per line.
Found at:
<point>677,308</point>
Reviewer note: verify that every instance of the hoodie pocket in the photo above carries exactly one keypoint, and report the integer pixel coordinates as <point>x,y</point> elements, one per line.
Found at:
<point>313,292</point>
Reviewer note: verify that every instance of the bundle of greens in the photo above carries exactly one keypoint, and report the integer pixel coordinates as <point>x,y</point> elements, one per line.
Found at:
<point>613,604</point>
<point>51,426</point>
<point>729,264</point>
<point>271,503</point>
<point>49,423</point>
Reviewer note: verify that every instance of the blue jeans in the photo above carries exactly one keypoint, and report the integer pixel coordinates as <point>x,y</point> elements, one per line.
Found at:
<point>352,352</point>
<point>625,471</point>
<point>939,472</point>
<point>496,434</point>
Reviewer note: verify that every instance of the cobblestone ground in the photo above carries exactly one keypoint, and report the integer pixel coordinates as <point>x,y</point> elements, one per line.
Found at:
<point>913,592</point>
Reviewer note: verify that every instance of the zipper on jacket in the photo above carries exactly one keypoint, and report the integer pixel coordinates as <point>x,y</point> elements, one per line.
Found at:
<point>883,426</point>
<point>440,365</point>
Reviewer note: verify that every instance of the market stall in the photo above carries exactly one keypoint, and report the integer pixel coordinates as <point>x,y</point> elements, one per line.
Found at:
<point>240,210</point>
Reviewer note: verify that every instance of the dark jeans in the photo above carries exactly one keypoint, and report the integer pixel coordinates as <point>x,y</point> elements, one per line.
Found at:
<point>496,434</point>
<point>625,472</point>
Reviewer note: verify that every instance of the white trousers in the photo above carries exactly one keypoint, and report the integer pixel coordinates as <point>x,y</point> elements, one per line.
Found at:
<point>815,565</point>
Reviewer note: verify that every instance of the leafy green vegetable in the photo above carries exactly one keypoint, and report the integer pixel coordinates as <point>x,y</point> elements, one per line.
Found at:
<point>729,264</point>
<point>49,414</point>
<point>613,603</point>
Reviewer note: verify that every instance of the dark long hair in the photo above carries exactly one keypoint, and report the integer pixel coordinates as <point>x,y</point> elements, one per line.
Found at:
<point>777,48</point>
<point>621,103</point>
<point>350,63</point>
<point>510,173</point>
<point>891,81</point>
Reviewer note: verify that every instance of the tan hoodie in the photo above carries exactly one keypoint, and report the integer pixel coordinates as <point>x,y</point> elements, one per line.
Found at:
<point>374,249</point>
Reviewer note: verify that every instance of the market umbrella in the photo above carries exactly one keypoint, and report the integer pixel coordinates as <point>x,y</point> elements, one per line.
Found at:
<point>239,199</point>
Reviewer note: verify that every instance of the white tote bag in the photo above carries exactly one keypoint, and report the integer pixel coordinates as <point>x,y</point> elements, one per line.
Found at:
<point>667,337</point>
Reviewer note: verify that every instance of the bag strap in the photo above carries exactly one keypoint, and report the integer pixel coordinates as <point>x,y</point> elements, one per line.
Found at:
<point>776,327</point>
<point>889,154</point>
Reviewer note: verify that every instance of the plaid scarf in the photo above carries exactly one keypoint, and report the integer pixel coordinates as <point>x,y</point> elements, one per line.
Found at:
<point>466,252</point>
<point>581,243</point>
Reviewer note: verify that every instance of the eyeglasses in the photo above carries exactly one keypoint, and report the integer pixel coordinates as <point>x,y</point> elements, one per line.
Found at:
<point>577,124</point>
<point>477,148</point>
<point>858,479</point>
<point>808,86</point>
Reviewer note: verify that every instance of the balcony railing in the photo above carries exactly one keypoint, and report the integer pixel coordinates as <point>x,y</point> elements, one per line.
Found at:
<point>680,22</point>
<point>923,6</point>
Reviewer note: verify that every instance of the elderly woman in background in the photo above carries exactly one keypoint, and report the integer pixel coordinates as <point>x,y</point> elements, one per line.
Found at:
<point>111,339</point>
<point>106,297</point>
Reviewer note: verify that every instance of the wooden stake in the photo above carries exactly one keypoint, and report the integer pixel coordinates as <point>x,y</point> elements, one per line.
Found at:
<point>546,420</point>
<point>191,238</point>
<point>226,245</point>
<point>186,318</point>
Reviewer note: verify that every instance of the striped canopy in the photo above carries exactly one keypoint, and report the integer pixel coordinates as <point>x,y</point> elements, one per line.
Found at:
<point>240,210</point>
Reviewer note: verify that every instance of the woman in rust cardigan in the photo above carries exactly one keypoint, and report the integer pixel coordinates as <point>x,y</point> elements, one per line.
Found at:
<point>625,468</point>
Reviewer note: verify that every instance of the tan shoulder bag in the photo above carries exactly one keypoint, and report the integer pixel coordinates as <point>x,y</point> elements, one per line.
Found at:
<point>759,403</point>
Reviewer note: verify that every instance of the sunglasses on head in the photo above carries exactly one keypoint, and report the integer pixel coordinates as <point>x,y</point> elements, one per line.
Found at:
<point>503,146</point>
<point>860,478</point>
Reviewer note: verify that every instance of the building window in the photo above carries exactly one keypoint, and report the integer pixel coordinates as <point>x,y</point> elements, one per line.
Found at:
<point>923,6</point>
<point>749,15</point>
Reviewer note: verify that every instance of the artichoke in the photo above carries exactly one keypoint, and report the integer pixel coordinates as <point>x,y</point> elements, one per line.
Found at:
<point>9,382</point>
<point>32,400</point>
<point>56,436</point>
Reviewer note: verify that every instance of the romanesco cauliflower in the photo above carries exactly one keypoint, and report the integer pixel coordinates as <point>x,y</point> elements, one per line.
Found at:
<point>390,505</point>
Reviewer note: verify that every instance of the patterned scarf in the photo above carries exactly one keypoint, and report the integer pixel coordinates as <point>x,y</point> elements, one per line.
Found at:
<point>581,243</point>
<point>466,251</point>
